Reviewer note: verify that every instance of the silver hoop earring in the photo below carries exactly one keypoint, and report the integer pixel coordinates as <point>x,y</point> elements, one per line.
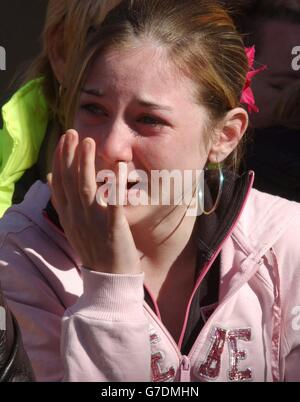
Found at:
<point>212,166</point>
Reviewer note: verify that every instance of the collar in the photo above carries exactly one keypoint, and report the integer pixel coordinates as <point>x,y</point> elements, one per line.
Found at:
<point>211,232</point>
<point>212,229</point>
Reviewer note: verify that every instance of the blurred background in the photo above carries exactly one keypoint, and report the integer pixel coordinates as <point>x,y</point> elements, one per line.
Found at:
<point>21,23</point>
<point>273,149</point>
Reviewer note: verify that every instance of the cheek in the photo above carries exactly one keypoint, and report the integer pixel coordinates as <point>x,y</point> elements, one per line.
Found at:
<point>169,154</point>
<point>85,131</point>
<point>79,127</point>
<point>147,155</point>
<point>159,149</point>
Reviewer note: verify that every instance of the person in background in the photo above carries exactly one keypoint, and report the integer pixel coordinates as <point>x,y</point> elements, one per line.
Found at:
<point>28,134</point>
<point>120,291</point>
<point>273,26</point>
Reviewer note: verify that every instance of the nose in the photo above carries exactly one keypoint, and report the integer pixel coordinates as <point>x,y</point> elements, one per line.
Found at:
<point>116,144</point>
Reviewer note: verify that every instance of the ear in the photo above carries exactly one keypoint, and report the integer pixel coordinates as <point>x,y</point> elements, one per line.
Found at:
<point>56,52</point>
<point>228,134</point>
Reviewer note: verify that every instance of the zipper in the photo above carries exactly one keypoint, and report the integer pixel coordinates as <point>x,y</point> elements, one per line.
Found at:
<point>156,315</point>
<point>211,261</point>
<point>205,270</point>
<point>185,370</point>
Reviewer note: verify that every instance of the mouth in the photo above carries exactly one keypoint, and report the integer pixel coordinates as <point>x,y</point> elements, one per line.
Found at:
<point>129,185</point>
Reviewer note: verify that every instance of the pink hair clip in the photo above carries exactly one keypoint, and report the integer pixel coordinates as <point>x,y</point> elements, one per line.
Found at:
<point>247,93</point>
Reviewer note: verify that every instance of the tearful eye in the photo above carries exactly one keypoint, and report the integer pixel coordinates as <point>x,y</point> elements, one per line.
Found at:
<point>93,109</point>
<point>151,121</point>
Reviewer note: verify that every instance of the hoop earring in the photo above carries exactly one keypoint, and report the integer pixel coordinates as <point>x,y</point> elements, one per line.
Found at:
<point>212,166</point>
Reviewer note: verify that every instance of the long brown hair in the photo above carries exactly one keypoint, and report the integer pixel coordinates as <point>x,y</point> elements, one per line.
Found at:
<point>201,40</point>
<point>67,26</point>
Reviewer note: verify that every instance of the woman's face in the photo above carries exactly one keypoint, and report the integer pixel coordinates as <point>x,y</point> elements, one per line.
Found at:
<point>140,110</point>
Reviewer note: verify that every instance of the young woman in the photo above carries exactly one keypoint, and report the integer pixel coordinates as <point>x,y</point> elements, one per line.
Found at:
<point>109,291</point>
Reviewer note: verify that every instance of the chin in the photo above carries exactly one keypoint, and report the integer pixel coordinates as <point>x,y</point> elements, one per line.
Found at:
<point>135,214</point>
<point>144,215</point>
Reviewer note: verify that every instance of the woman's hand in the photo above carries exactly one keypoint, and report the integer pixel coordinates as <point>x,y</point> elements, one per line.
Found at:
<point>100,235</point>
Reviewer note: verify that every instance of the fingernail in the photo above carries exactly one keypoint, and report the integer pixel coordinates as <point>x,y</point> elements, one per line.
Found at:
<point>71,136</point>
<point>62,139</point>
<point>49,178</point>
<point>88,145</point>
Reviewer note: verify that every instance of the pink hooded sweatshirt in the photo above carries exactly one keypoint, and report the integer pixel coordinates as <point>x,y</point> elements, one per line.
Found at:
<point>79,325</point>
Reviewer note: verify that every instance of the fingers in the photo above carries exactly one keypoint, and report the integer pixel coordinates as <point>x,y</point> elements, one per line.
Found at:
<point>116,216</point>
<point>74,177</point>
<point>70,168</point>
<point>50,184</point>
<point>87,173</point>
<point>125,256</point>
<point>57,186</point>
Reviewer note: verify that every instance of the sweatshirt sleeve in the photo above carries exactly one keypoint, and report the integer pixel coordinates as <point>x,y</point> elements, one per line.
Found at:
<point>36,308</point>
<point>106,333</point>
<point>104,336</point>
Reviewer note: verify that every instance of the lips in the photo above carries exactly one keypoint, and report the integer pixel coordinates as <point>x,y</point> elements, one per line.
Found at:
<point>129,185</point>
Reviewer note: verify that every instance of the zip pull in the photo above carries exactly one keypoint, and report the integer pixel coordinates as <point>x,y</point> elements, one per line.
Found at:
<point>185,370</point>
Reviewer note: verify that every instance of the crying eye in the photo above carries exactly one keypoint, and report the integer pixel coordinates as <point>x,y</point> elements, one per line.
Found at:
<point>93,109</point>
<point>151,121</point>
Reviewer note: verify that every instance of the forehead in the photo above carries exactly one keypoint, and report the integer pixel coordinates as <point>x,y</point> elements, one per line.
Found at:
<point>140,70</point>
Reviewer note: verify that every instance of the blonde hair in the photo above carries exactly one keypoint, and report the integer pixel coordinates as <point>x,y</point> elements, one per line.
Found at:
<point>67,25</point>
<point>201,40</point>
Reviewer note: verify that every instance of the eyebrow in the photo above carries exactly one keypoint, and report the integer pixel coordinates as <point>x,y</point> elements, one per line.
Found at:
<point>154,106</point>
<point>94,92</point>
<point>141,102</point>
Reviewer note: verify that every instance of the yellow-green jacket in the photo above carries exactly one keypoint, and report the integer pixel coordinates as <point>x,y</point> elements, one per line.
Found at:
<point>25,119</point>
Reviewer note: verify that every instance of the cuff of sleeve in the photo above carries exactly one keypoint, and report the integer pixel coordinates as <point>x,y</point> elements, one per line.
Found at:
<point>111,297</point>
